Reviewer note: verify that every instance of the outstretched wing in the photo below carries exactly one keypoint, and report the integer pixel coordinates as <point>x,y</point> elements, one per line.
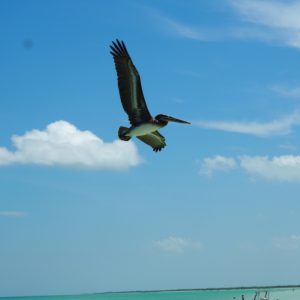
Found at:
<point>153,139</point>
<point>129,84</point>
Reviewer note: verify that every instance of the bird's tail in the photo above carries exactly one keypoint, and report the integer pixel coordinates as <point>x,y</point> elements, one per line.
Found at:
<point>122,134</point>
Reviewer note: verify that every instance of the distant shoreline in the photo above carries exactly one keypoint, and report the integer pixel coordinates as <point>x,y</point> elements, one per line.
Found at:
<point>204,289</point>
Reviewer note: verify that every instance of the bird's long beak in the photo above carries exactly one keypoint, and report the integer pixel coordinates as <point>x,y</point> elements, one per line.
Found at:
<point>171,119</point>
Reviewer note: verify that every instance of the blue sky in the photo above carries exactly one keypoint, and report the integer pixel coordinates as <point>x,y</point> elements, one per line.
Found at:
<point>81,211</point>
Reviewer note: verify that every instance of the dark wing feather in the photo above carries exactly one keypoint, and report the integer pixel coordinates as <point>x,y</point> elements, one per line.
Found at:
<point>129,84</point>
<point>153,139</point>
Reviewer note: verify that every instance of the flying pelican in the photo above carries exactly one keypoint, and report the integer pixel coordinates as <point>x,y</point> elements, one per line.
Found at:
<point>143,125</point>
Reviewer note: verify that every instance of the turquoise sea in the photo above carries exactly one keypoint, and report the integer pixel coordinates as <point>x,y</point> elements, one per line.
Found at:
<point>274,294</point>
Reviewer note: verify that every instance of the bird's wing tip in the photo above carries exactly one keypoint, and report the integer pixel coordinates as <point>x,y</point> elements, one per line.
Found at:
<point>118,46</point>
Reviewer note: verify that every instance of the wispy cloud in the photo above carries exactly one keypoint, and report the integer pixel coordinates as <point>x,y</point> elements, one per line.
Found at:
<point>271,13</point>
<point>217,163</point>
<point>291,242</point>
<point>264,129</point>
<point>180,29</point>
<point>251,32</point>
<point>277,168</point>
<point>268,20</point>
<point>184,30</point>
<point>177,244</point>
<point>62,144</point>
<point>13,214</point>
<point>284,168</point>
<point>277,20</point>
<point>289,92</point>
<point>200,33</point>
<point>288,147</point>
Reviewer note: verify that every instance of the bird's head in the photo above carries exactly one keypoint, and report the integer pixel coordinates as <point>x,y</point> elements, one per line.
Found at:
<point>165,119</point>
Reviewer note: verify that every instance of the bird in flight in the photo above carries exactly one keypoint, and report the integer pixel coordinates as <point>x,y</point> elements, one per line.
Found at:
<point>143,125</point>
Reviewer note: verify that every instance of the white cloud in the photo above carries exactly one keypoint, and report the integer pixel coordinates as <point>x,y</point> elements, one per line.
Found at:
<point>13,214</point>
<point>263,20</point>
<point>177,244</point>
<point>277,168</point>
<point>277,20</point>
<point>62,144</point>
<point>281,126</point>
<point>285,168</point>
<point>217,163</point>
<point>291,242</point>
<point>271,13</point>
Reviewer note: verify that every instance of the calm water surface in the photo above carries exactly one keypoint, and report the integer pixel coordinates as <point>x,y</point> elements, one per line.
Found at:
<point>275,293</point>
